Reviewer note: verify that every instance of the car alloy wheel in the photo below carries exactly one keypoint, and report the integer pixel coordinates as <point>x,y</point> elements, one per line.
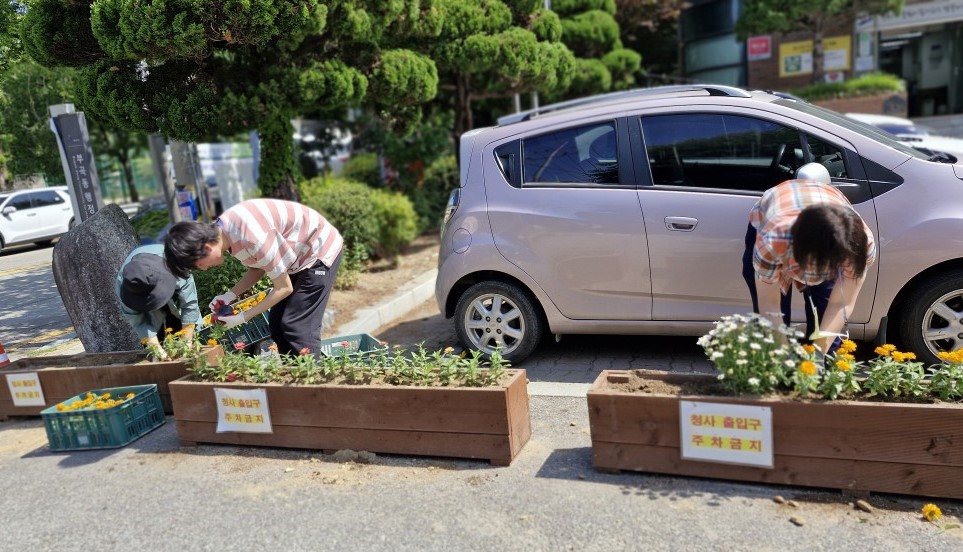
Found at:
<point>500,315</point>
<point>933,320</point>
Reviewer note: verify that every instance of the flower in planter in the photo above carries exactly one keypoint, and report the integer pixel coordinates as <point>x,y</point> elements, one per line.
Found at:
<point>388,366</point>
<point>175,345</point>
<point>946,379</point>
<point>895,374</point>
<point>753,356</point>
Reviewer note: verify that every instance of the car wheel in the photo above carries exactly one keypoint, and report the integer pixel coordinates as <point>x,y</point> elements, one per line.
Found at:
<point>501,315</point>
<point>933,317</point>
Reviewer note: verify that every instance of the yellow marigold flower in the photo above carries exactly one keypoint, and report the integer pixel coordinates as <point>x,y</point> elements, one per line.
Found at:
<point>212,342</point>
<point>143,341</point>
<point>889,347</point>
<point>845,356</point>
<point>843,365</point>
<point>129,396</point>
<point>909,356</point>
<point>807,367</point>
<point>945,355</point>
<point>881,351</point>
<point>169,330</point>
<point>449,350</point>
<point>179,333</point>
<point>932,512</point>
<point>848,346</point>
<point>809,348</point>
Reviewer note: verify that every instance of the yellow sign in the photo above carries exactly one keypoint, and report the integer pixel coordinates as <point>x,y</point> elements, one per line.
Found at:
<point>727,433</point>
<point>796,58</point>
<point>25,389</point>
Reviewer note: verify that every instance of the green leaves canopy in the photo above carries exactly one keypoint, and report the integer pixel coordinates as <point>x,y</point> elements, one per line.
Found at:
<point>197,69</point>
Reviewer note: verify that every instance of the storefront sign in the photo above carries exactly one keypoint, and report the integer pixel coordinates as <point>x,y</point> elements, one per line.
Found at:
<point>726,433</point>
<point>242,411</point>
<point>759,47</point>
<point>795,58</point>
<point>25,389</point>
<point>914,15</point>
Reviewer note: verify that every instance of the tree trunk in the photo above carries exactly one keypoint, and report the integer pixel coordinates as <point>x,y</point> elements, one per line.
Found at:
<point>276,175</point>
<point>463,119</point>
<point>3,171</point>
<point>124,158</point>
<point>818,54</point>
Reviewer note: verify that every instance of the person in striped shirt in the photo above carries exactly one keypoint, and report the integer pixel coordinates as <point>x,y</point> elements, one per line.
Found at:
<point>804,233</point>
<point>294,245</point>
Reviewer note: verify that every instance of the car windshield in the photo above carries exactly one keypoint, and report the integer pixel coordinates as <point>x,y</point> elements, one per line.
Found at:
<point>856,126</point>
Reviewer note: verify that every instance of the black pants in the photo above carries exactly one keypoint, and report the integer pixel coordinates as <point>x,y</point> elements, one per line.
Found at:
<point>296,321</point>
<point>812,295</point>
<point>172,322</point>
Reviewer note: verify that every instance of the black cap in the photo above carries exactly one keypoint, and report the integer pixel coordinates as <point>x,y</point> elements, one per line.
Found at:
<point>147,283</point>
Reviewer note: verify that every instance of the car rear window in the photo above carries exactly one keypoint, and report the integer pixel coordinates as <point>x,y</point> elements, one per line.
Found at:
<point>581,155</point>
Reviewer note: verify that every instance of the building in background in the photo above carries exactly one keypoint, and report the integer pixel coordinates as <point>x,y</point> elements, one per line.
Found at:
<point>923,45</point>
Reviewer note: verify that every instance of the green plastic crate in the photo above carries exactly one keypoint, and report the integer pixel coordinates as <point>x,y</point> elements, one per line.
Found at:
<point>105,428</point>
<point>356,344</point>
<point>251,332</point>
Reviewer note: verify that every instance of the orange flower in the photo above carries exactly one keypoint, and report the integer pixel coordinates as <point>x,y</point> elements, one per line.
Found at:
<point>843,365</point>
<point>809,348</point>
<point>807,367</point>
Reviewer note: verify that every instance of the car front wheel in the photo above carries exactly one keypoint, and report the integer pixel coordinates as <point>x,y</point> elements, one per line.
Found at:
<point>500,315</point>
<point>933,317</point>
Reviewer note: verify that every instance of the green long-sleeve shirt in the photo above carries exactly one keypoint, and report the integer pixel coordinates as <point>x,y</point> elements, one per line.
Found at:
<point>183,304</point>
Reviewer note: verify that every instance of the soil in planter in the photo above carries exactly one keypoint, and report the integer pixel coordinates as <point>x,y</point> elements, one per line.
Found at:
<point>376,381</point>
<point>640,381</point>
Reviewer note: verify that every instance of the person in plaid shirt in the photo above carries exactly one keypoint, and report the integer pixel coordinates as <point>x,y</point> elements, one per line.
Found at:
<point>804,233</point>
<point>296,247</point>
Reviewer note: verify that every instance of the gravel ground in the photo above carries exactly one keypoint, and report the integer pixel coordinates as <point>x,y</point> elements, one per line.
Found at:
<point>156,495</point>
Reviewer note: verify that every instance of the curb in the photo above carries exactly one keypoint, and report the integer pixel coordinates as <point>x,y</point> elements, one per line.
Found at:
<point>416,292</point>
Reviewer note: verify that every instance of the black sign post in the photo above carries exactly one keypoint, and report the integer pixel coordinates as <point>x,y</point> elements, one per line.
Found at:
<point>70,127</point>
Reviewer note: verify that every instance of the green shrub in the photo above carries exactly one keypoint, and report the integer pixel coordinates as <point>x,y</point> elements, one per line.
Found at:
<point>348,206</point>
<point>866,85</point>
<point>217,280</point>
<point>353,262</point>
<point>397,222</point>
<point>431,196</point>
<point>363,167</point>
<point>149,225</point>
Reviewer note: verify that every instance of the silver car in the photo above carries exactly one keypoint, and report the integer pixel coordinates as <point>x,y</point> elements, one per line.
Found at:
<point>626,214</point>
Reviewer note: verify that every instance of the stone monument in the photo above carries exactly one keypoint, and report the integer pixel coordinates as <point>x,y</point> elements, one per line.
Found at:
<point>85,265</point>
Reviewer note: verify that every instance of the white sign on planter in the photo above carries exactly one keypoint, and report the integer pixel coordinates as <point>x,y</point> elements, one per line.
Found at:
<point>25,389</point>
<point>727,433</point>
<point>242,411</point>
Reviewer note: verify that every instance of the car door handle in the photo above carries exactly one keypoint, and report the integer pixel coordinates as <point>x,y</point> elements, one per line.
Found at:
<point>681,224</point>
<point>31,214</point>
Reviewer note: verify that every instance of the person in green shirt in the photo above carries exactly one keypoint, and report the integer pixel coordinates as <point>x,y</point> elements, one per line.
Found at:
<point>152,299</point>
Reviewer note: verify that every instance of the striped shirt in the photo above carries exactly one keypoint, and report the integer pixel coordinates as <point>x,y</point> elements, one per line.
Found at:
<point>279,236</point>
<point>773,217</point>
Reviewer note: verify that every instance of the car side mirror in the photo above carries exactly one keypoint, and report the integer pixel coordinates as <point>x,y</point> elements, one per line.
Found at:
<point>8,210</point>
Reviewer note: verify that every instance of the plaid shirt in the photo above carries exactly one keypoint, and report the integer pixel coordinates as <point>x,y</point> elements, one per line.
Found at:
<point>279,236</point>
<point>773,217</point>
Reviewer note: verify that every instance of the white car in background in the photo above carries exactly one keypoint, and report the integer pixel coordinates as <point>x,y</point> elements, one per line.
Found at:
<point>913,134</point>
<point>34,216</point>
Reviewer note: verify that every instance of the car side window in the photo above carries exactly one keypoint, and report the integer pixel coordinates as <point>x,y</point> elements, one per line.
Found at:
<point>828,156</point>
<point>712,150</point>
<point>582,155</point>
<point>20,201</point>
<point>45,198</point>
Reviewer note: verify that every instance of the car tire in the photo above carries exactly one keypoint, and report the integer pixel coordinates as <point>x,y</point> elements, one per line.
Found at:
<point>516,327</point>
<point>932,318</point>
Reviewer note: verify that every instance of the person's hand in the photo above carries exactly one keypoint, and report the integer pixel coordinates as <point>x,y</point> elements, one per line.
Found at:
<point>223,299</point>
<point>231,321</point>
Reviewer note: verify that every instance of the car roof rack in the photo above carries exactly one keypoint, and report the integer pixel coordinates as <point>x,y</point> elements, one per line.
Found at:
<point>712,89</point>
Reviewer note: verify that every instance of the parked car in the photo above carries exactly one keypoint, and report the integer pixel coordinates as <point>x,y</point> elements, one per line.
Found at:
<point>626,213</point>
<point>914,135</point>
<point>34,216</point>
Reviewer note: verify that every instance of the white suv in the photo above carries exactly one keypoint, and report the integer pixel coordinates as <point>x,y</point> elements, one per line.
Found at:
<point>626,214</point>
<point>34,216</point>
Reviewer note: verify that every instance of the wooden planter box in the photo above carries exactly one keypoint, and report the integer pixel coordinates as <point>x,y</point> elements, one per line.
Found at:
<point>912,449</point>
<point>490,423</point>
<point>62,377</point>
